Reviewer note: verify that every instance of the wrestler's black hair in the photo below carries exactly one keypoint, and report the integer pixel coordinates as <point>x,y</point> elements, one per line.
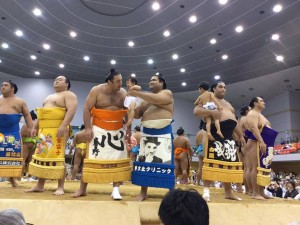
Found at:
<point>137,128</point>
<point>133,80</point>
<point>180,131</point>
<point>33,115</point>
<point>244,109</point>
<point>82,127</point>
<point>215,85</point>
<point>253,100</point>
<point>12,84</point>
<point>181,207</point>
<point>110,75</point>
<point>204,85</point>
<point>161,79</point>
<point>68,81</point>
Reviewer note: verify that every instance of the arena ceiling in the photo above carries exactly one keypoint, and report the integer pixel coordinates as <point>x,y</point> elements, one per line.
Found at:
<point>187,40</point>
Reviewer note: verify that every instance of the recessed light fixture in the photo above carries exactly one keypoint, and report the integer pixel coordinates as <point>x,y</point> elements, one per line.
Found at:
<point>277,8</point>
<point>61,65</point>
<point>167,33</point>
<point>113,62</point>
<point>239,29</point>
<point>217,77</point>
<point>133,75</point>
<point>193,19</point>
<point>37,12</point>
<point>155,6</point>
<point>224,57</point>
<point>182,70</point>
<point>223,2</point>
<point>275,37</point>
<point>174,56</point>
<point>213,41</point>
<point>130,43</point>
<point>33,57</point>
<point>37,73</point>
<point>157,73</point>
<point>183,84</point>
<point>0,61</point>
<point>46,46</point>
<point>279,58</point>
<point>86,58</point>
<point>5,45</point>
<point>19,33</point>
<point>73,34</point>
<point>150,61</point>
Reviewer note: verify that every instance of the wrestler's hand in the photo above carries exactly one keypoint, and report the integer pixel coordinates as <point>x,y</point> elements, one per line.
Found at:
<point>215,114</point>
<point>28,132</point>
<point>88,134</point>
<point>220,108</point>
<point>136,88</point>
<point>262,147</point>
<point>34,132</point>
<point>242,141</point>
<point>62,131</point>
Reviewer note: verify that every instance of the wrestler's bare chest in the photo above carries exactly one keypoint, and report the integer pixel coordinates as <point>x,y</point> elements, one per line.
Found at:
<point>10,106</point>
<point>115,101</point>
<point>55,100</point>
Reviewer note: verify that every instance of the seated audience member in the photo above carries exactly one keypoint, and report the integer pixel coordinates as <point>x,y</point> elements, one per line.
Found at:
<point>11,217</point>
<point>291,190</point>
<point>275,189</point>
<point>182,207</point>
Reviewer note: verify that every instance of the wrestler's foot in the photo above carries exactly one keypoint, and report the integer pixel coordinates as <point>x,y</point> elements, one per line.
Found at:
<point>13,182</point>
<point>210,137</point>
<point>250,193</point>
<point>79,193</point>
<point>35,189</point>
<point>258,197</point>
<point>116,194</point>
<point>232,197</point>
<point>267,196</point>
<point>141,197</point>
<point>59,191</point>
<point>206,195</point>
<point>220,134</point>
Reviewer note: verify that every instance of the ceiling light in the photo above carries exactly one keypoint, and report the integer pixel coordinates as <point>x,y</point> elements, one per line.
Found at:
<point>217,77</point>
<point>275,37</point>
<point>182,70</point>
<point>133,74</point>
<point>224,57</point>
<point>223,2</point>
<point>19,33</point>
<point>33,57</point>
<point>37,12</point>
<point>37,73</point>
<point>150,61</point>
<point>213,41</point>
<point>5,45</point>
<point>61,65</point>
<point>73,34</point>
<point>86,58</point>
<point>155,6</point>
<point>46,46</point>
<point>113,62</point>
<point>277,8</point>
<point>0,61</point>
<point>193,19</point>
<point>279,58</point>
<point>157,73</point>
<point>183,84</point>
<point>175,56</point>
<point>239,29</point>
<point>131,43</point>
<point>167,33</point>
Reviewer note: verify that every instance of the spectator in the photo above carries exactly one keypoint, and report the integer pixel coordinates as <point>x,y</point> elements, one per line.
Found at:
<point>181,207</point>
<point>291,190</point>
<point>11,217</point>
<point>275,189</point>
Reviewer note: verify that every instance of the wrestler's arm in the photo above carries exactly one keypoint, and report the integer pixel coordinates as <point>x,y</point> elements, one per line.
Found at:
<point>252,121</point>
<point>213,98</point>
<point>188,146</point>
<point>197,100</point>
<point>239,134</point>
<point>139,111</point>
<point>164,97</point>
<point>71,105</point>
<point>73,144</point>
<point>90,102</point>
<point>35,128</point>
<point>199,111</point>
<point>27,117</point>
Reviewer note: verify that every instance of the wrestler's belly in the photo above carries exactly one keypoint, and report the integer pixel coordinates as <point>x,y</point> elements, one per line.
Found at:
<point>156,114</point>
<point>227,115</point>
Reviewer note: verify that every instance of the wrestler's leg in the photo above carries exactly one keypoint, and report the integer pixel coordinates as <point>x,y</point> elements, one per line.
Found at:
<point>239,186</point>
<point>248,169</point>
<point>228,192</point>
<point>184,164</point>
<point>82,190</point>
<point>199,172</point>
<point>26,148</point>
<point>252,153</point>
<point>217,124</point>
<point>143,194</point>
<point>132,156</point>
<point>116,193</point>
<point>39,187</point>
<point>245,169</point>
<point>208,124</point>
<point>77,162</point>
<point>177,167</point>
<point>60,187</point>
